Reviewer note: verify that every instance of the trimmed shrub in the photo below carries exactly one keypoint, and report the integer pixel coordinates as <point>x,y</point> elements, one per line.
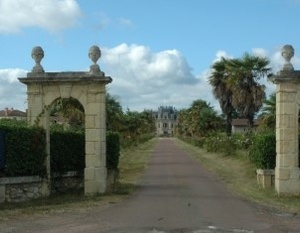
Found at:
<point>25,149</point>
<point>221,143</point>
<point>263,151</point>
<point>67,152</point>
<point>112,150</point>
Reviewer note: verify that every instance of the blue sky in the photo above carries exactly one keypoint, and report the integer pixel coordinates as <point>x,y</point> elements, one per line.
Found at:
<point>158,52</point>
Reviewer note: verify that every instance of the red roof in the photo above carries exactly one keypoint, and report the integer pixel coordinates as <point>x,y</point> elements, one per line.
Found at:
<point>12,113</point>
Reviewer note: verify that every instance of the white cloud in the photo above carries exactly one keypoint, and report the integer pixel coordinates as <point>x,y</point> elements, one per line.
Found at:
<point>260,52</point>
<point>142,79</point>
<point>51,15</point>
<point>12,92</point>
<point>221,54</point>
<point>145,80</point>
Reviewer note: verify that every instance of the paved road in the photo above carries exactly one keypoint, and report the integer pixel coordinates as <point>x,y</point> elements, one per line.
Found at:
<point>176,195</point>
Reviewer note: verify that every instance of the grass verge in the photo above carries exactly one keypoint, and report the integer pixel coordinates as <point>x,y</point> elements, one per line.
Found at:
<point>240,176</point>
<point>132,163</point>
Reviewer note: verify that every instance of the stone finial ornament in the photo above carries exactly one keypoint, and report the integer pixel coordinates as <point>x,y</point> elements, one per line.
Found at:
<point>37,54</point>
<point>287,52</point>
<point>94,55</point>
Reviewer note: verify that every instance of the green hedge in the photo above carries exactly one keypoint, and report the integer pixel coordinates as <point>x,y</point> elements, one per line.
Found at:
<point>67,152</point>
<point>221,143</point>
<point>25,149</point>
<point>112,150</point>
<point>263,151</point>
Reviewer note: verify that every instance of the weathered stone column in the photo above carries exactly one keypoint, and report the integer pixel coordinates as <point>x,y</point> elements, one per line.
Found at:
<point>287,175</point>
<point>43,88</point>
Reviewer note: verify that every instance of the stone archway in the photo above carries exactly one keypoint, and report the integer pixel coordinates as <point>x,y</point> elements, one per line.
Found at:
<point>89,89</point>
<point>287,173</point>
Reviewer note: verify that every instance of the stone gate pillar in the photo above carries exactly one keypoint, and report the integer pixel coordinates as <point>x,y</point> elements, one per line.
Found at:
<point>89,88</point>
<point>287,175</point>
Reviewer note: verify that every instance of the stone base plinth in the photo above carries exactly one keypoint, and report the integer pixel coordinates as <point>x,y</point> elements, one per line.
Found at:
<point>266,178</point>
<point>287,181</point>
<point>95,180</point>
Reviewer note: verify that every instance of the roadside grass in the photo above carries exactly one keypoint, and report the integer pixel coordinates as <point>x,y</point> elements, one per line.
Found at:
<point>240,176</point>
<point>235,170</point>
<point>132,163</point>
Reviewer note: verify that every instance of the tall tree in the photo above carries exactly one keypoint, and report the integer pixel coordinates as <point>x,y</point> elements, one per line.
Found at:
<point>248,93</point>
<point>235,84</point>
<point>268,112</point>
<point>222,92</point>
<point>199,120</point>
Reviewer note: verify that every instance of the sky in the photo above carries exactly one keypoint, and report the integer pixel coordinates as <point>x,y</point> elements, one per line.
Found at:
<point>158,52</point>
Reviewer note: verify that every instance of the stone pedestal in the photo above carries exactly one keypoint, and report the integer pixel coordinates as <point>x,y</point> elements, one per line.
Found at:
<point>265,178</point>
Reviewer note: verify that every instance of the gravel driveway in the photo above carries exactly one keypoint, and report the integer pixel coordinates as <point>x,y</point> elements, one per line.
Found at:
<point>176,195</point>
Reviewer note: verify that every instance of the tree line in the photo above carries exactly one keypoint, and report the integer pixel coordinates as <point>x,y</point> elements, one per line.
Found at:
<point>235,85</point>
<point>130,124</point>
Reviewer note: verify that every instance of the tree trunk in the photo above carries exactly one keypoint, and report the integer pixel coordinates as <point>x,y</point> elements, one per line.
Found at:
<point>228,124</point>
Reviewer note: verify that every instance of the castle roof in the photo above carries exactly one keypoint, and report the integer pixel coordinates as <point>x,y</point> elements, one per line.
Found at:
<point>12,113</point>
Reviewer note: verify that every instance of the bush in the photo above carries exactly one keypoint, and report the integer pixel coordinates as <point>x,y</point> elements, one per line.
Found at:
<point>25,149</point>
<point>112,150</point>
<point>263,151</point>
<point>67,151</point>
<point>127,141</point>
<point>221,143</point>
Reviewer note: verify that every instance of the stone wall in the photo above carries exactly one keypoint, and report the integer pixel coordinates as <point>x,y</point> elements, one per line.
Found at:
<point>20,189</point>
<point>68,182</point>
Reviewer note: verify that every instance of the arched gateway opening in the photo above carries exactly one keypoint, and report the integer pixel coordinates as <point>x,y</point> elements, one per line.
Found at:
<point>43,88</point>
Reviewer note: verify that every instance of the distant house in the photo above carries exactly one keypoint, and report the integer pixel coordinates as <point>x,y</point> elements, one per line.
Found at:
<point>241,125</point>
<point>13,114</point>
<point>165,120</point>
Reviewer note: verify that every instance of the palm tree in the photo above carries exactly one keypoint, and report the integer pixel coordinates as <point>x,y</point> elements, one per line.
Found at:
<point>268,112</point>
<point>244,73</point>
<point>221,91</point>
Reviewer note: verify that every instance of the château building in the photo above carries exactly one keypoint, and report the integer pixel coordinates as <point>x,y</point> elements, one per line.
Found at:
<point>13,114</point>
<point>165,120</point>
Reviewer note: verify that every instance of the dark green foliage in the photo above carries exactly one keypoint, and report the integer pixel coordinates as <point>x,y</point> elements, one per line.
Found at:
<point>25,149</point>
<point>221,143</point>
<point>198,142</point>
<point>67,151</point>
<point>227,145</point>
<point>112,150</point>
<point>263,151</point>
<point>127,141</point>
